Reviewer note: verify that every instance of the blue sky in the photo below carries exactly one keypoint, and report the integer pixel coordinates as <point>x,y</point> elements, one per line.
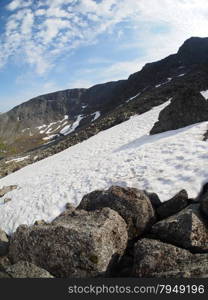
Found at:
<point>49,45</point>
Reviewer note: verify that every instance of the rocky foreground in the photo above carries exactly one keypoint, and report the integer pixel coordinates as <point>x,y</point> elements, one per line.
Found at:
<point>120,232</point>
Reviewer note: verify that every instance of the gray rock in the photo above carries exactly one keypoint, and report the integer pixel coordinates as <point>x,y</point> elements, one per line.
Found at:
<point>187,229</point>
<point>132,204</point>
<point>153,258</point>
<point>175,115</point>
<point>4,275</point>
<point>7,200</point>
<point>7,189</point>
<point>24,269</point>
<point>4,262</point>
<point>4,243</point>
<point>154,199</point>
<point>78,244</point>
<point>174,205</point>
<point>40,222</point>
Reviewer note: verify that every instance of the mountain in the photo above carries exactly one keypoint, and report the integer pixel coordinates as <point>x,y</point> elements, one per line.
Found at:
<point>130,186</point>
<point>124,155</point>
<point>51,123</point>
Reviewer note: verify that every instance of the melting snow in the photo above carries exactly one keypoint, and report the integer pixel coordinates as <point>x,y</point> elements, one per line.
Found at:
<point>96,115</point>
<point>205,94</point>
<point>70,128</point>
<point>123,155</point>
<point>17,159</point>
<point>168,80</point>
<point>49,137</point>
<point>132,98</point>
<point>181,75</point>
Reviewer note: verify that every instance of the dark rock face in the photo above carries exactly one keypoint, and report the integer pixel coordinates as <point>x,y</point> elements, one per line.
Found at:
<point>186,108</point>
<point>23,269</point>
<point>133,205</point>
<point>174,205</point>
<point>203,199</point>
<point>194,51</point>
<point>187,229</point>
<point>154,199</point>
<point>4,243</point>
<point>78,244</point>
<point>38,111</point>
<point>153,258</point>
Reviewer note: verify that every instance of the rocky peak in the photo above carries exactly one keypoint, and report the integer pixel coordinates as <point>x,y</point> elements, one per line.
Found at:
<point>194,51</point>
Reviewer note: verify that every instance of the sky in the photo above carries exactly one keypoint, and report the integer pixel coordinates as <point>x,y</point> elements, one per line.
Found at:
<point>50,45</point>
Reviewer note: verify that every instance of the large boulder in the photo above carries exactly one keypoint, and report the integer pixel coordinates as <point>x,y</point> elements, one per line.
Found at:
<point>186,108</point>
<point>154,199</point>
<point>174,205</point>
<point>187,229</point>
<point>77,244</point>
<point>4,243</point>
<point>132,204</point>
<point>23,269</point>
<point>154,258</point>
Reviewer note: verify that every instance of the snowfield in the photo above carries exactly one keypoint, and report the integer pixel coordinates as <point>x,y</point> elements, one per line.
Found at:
<point>123,155</point>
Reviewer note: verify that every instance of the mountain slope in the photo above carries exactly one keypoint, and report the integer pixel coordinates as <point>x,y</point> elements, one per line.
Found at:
<point>51,123</point>
<point>49,117</point>
<point>124,155</point>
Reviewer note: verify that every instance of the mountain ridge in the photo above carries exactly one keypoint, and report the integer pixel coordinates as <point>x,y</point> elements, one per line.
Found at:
<point>81,113</point>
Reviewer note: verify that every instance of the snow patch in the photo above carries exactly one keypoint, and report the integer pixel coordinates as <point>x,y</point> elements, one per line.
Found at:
<point>168,80</point>
<point>132,98</point>
<point>181,75</point>
<point>17,159</point>
<point>49,137</point>
<point>96,115</point>
<point>70,128</point>
<point>124,155</point>
<point>205,94</point>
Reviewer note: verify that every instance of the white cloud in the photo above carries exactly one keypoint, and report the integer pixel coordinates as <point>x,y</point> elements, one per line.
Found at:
<point>43,30</point>
<point>27,23</point>
<point>15,4</point>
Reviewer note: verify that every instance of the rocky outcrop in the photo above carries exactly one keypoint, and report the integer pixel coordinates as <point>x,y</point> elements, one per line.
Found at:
<point>78,244</point>
<point>23,269</point>
<point>174,205</point>
<point>154,84</point>
<point>102,237</point>
<point>187,229</point>
<point>132,204</point>
<point>4,243</point>
<point>153,258</point>
<point>154,199</point>
<point>7,189</point>
<point>186,108</point>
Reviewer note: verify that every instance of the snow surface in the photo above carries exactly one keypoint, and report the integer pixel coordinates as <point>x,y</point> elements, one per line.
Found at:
<point>18,159</point>
<point>181,75</point>
<point>123,155</point>
<point>96,115</point>
<point>132,98</point>
<point>70,128</point>
<point>168,80</point>
<point>205,94</point>
<point>49,137</point>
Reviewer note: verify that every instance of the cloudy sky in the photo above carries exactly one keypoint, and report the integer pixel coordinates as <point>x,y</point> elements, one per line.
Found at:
<point>48,45</point>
